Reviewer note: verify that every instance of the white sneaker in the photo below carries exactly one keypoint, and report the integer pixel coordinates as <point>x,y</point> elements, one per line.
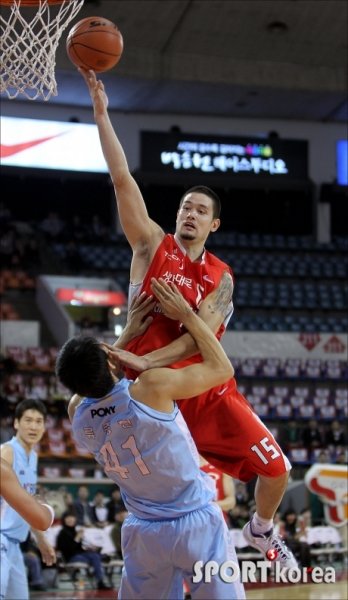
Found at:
<point>269,541</point>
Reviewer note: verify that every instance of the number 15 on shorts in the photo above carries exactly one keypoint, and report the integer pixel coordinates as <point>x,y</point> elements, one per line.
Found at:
<point>265,451</point>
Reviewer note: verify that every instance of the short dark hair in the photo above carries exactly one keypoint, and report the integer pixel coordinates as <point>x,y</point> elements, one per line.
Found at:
<point>82,366</point>
<point>203,189</point>
<point>30,404</point>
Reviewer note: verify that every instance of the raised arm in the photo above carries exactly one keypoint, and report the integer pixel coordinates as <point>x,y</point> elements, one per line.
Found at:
<point>141,232</point>
<point>158,387</point>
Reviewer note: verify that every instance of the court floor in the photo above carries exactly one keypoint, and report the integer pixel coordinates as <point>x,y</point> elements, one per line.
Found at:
<point>312,591</point>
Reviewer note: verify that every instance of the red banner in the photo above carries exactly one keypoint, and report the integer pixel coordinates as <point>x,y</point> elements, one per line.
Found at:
<point>90,297</point>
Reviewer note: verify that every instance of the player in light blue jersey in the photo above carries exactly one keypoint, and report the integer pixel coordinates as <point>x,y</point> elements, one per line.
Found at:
<point>136,432</point>
<point>20,455</point>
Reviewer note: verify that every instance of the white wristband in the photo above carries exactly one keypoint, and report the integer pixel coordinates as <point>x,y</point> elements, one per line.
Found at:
<point>51,511</point>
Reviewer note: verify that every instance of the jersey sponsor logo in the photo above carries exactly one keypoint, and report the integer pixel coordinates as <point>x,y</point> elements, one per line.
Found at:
<point>103,411</point>
<point>207,278</point>
<point>174,257</point>
<point>177,279</point>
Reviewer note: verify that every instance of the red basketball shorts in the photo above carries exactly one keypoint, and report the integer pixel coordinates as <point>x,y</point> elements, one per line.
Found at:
<point>230,435</point>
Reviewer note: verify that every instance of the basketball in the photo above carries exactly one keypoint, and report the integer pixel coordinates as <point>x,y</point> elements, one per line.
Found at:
<point>95,43</point>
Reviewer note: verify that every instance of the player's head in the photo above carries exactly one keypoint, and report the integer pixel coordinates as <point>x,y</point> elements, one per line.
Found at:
<point>29,421</point>
<point>82,366</point>
<point>198,214</point>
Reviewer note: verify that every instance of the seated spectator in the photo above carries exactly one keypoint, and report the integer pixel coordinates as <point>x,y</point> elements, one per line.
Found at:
<point>311,436</point>
<point>239,516</point>
<point>342,457</point>
<point>99,512</point>
<point>114,504</point>
<point>73,258</point>
<point>32,561</point>
<point>290,436</point>
<point>291,532</point>
<point>336,436</point>
<point>115,532</point>
<point>70,544</point>
<point>82,507</point>
<point>52,225</point>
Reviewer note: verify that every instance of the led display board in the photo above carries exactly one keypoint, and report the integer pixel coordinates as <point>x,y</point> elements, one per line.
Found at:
<point>174,152</point>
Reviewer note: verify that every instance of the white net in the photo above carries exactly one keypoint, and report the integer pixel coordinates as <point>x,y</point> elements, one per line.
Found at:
<point>28,44</point>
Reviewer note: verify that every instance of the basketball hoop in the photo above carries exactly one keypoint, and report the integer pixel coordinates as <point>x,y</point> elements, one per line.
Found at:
<point>30,32</point>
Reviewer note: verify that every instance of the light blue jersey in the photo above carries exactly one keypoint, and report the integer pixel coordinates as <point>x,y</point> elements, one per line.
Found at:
<point>149,454</point>
<point>25,466</point>
<point>13,528</point>
<point>173,521</point>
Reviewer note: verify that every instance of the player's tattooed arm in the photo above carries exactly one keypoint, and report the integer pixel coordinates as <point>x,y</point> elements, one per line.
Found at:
<point>219,301</point>
<point>214,310</point>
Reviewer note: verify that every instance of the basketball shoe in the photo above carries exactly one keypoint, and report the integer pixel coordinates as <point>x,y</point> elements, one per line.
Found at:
<point>271,545</point>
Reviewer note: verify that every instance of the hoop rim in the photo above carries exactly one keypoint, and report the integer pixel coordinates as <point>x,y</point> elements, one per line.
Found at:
<point>31,3</point>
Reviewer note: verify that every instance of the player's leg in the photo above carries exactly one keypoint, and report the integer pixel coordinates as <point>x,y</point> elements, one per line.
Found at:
<point>202,536</point>
<point>14,582</point>
<point>148,571</point>
<point>231,436</point>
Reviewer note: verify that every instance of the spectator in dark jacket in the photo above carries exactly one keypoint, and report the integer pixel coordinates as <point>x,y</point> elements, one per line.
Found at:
<point>69,543</point>
<point>82,507</point>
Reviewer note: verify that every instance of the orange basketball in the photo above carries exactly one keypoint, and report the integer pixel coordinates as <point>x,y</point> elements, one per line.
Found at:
<point>95,43</point>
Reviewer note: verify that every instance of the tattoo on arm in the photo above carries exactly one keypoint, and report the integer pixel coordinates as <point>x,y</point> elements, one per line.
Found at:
<point>223,297</point>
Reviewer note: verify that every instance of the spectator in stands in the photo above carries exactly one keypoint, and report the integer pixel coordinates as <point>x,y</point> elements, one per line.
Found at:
<point>323,457</point>
<point>311,436</point>
<point>99,511</point>
<point>97,229</point>
<point>336,436</point>
<point>114,504</point>
<point>73,258</point>
<point>239,516</point>
<point>241,492</point>
<point>6,430</point>
<point>115,532</point>
<point>76,229</point>
<point>290,436</point>
<point>33,564</point>
<point>342,458</point>
<point>291,531</point>
<point>82,507</point>
<point>52,225</point>
<point>70,544</point>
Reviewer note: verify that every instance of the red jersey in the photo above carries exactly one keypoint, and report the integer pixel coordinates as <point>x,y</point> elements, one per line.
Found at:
<point>224,426</point>
<point>195,280</point>
<point>217,476</point>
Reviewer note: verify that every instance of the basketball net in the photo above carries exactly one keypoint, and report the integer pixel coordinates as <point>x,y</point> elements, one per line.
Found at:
<point>29,39</point>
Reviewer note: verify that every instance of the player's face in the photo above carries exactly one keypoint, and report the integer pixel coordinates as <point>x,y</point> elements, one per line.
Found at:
<point>30,427</point>
<point>195,218</point>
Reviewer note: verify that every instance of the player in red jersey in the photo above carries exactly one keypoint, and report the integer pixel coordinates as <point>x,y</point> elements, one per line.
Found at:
<point>225,428</point>
<point>225,493</point>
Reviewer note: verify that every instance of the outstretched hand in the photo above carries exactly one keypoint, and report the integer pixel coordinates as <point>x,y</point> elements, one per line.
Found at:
<point>96,90</point>
<point>172,302</point>
<point>118,358</point>
<point>140,306</point>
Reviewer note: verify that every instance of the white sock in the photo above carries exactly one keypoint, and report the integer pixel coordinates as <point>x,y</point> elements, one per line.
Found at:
<point>260,525</point>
